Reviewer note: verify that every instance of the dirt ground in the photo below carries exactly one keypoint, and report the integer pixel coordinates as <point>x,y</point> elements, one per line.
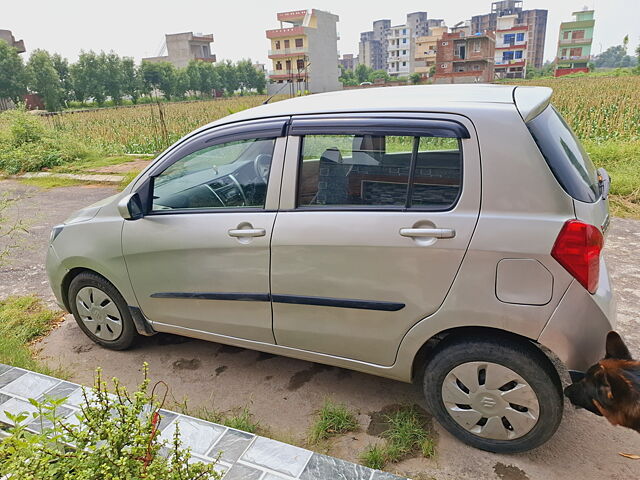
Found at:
<point>284,393</point>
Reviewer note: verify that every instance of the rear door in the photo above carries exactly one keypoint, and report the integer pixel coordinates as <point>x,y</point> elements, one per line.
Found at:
<point>375,217</point>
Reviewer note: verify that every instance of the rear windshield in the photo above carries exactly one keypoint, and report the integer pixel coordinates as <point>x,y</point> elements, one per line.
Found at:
<point>565,155</point>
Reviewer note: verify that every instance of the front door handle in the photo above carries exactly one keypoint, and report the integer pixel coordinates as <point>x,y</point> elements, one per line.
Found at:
<point>247,232</point>
<point>428,232</point>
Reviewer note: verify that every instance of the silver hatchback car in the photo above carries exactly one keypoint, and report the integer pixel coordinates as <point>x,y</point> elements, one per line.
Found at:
<point>449,235</point>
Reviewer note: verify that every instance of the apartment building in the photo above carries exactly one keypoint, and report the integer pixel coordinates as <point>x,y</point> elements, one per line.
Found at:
<point>465,58</point>
<point>511,48</point>
<point>8,37</point>
<point>181,48</point>
<point>372,49</point>
<point>400,51</point>
<point>349,61</point>
<point>535,20</point>
<point>304,52</point>
<point>574,44</point>
<point>426,48</point>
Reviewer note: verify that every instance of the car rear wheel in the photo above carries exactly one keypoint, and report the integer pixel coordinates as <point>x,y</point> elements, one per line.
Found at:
<point>101,312</point>
<point>499,395</point>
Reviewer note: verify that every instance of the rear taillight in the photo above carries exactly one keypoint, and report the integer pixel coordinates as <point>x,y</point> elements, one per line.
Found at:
<point>577,249</point>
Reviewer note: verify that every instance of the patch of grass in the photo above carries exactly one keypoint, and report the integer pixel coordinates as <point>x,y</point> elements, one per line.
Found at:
<point>91,162</point>
<point>23,320</point>
<point>375,456</point>
<point>242,421</point>
<point>128,178</point>
<point>408,434</point>
<point>52,182</point>
<point>332,419</point>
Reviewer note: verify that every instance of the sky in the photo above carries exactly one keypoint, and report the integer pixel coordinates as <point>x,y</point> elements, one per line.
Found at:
<point>136,28</point>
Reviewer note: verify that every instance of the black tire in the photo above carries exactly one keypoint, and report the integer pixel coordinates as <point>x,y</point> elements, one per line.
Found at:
<point>128,334</point>
<point>517,355</point>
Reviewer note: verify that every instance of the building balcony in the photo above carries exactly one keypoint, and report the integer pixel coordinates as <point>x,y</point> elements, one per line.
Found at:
<point>210,59</point>
<point>581,58</point>
<point>575,41</point>
<point>202,38</point>
<point>285,32</point>
<point>288,73</point>
<point>288,52</point>
<point>292,16</point>
<point>520,62</point>
<point>508,46</point>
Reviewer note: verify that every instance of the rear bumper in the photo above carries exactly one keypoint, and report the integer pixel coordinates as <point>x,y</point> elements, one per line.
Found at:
<point>577,330</point>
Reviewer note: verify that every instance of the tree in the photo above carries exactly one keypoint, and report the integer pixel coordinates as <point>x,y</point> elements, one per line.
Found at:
<point>160,76</point>
<point>62,67</point>
<point>228,77</point>
<point>87,78</point>
<point>415,78</point>
<point>638,60</point>
<point>248,77</point>
<point>131,83</point>
<point>182,84</point>
<point>12,79</point>
<point>614,57</point>
<point>347,77</point>
<point>111,76</point>
<point>378,75</point>
<point>44,80</point>
<point>362,73</point>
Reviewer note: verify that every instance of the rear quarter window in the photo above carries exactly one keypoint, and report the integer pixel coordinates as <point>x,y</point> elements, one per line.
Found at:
<point>565,155</point>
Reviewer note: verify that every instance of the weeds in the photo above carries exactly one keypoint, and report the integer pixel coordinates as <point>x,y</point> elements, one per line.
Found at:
<point>332,419</point>
<point>408,434</point>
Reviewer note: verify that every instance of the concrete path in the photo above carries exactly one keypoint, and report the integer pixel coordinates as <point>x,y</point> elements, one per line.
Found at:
<point>284,393</point>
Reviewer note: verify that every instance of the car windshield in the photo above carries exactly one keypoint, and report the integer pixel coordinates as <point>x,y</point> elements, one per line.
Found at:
<point>565,155</point>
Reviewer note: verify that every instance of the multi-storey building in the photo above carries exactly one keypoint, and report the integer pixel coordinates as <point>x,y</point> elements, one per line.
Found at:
<point>574,44</point>
<point>349,61</point>
<point>181,48</point>
<point>392,48</point>
<point>8,37</point>
<point>464,58</point>
<point>426,48</point>
<point>305,54</point>
<point>373,47</point>
<point>511,48</point>
<point>535,20</point>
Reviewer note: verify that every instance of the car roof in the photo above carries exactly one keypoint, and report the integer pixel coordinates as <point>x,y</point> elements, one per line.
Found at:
<point>403,98</point>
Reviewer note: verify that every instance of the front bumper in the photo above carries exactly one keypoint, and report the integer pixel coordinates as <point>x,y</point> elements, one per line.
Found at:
<point>577,330</point>
<point>56,273</point>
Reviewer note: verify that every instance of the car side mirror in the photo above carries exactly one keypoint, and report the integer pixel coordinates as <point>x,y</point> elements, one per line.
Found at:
<point>130,207</point>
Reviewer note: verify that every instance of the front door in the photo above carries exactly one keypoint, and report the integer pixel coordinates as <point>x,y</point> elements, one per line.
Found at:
<point>199,260</point>
<point>370,239</point>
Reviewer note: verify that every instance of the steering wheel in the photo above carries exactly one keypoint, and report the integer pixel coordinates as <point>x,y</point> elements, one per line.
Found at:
<point>261,165</point>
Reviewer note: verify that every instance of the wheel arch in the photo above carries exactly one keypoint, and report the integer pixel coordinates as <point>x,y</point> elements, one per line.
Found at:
<point>440,340</point>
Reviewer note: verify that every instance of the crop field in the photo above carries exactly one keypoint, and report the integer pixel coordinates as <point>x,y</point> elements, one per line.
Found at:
<point>145,128</point>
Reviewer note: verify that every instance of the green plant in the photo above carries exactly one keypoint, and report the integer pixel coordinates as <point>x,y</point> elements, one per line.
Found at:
<point>375,456</point>
<point>23,320</point>
<point>408,433</point>
<point>242,421</point>
<point>116,437</point>
<point>332,419</point>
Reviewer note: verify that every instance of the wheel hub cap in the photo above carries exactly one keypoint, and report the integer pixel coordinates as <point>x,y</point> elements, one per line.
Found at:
<point>490,400</point>
<point>99,313</point>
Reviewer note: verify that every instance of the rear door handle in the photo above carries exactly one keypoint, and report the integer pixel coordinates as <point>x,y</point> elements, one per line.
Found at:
<point>247,232</point>
<point>428,232</point>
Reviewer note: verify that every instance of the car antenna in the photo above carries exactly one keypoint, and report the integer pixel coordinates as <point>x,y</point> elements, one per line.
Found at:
<point>269,99</point>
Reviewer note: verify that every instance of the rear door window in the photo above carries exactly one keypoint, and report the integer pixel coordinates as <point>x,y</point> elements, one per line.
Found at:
<point>565,155</point>
<point>376,170</point>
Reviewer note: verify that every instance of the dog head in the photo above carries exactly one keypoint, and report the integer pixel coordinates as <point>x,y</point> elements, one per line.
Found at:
<point>611,387</point>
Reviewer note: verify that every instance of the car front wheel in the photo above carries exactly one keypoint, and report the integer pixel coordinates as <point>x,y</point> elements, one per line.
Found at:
<point>499,395</point>
<point>101,312</point>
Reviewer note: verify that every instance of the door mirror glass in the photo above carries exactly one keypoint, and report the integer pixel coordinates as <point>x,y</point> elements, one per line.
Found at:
<point>130,207</point>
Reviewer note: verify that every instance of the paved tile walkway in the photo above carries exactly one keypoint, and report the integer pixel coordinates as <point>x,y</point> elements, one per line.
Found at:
<point>242,455</point>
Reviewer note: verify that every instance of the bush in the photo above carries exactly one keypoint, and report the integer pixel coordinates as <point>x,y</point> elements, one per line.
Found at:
<point>27,145</point>
<point>116,438</point>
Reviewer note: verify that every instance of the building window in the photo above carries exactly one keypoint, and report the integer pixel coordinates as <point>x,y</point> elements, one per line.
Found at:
<point>300,64</point>
<point>576,52</point>
<point>476,67</point>
<point>404,52</point>
<point>578,35</point>
<point>444,44</point>
<point>518,54</point>
<point>404,40</point>
<point>404,31</point>
<point>278,45</point>
<point>565,35</point>
<point>443,65</point>
<point>476,47</point>
<point>287,43</point>
<point>288,65</point>
<point>278,66</point>
<point>564,52</point>
<point>520,37</point>
<point>299,43</point>
<point>404,64</point>
<point>510,38</point>
<point>507,55</point>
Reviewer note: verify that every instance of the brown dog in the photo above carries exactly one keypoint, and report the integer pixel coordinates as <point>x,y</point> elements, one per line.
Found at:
<point>611,387</point>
